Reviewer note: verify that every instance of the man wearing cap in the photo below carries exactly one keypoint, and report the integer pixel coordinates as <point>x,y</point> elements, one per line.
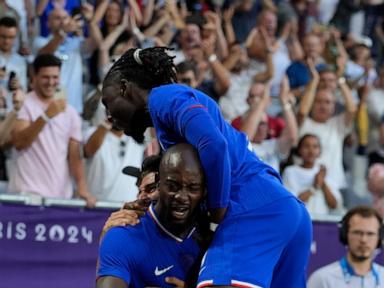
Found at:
<point>147,177</point>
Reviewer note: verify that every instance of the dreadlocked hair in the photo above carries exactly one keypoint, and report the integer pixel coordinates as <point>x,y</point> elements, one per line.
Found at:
<point>156,67</point>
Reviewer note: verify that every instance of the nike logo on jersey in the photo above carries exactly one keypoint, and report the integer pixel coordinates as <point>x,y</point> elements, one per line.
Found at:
<point>162,271</point>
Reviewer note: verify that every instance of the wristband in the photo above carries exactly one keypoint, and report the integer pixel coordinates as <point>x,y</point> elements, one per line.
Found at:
<point>45,117</point>
<point>341,80</point>
<point>287,106</point>
<point>212,58</point>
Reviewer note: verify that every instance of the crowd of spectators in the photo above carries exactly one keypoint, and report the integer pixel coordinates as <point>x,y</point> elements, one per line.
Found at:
<point>303,79</point>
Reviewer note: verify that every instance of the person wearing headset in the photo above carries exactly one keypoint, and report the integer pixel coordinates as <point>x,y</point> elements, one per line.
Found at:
<point>361,231</point>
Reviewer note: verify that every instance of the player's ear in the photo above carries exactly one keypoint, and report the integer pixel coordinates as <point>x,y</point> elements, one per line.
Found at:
<point>124,87</point>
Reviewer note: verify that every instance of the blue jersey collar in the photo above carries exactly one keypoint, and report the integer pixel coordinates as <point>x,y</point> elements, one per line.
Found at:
<point>153,215</point>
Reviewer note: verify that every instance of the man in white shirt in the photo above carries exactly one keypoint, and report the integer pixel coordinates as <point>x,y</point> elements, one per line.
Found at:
<point>10,61</point>
<point>330,128</point>
<point>68,47</point>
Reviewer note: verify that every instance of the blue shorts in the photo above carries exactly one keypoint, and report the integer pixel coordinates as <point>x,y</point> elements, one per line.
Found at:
<point>265,247</point>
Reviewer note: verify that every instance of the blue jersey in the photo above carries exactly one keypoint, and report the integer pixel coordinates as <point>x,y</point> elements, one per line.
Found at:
<point>143,255</point>
<point>182,114</point>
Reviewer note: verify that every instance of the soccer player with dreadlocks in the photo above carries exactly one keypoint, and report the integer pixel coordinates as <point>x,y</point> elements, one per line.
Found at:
<point>263,235</point>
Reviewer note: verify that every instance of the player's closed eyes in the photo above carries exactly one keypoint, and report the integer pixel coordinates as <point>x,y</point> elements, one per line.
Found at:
<point>175,186</point>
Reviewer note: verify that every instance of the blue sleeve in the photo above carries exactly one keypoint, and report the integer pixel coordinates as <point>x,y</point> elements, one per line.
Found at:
<point>191,120</point>
<point>112,255</point>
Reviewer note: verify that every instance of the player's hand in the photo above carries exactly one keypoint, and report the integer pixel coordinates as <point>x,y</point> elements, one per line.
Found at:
<point>140,206</point>
<point>55,107</point>
<point>175,281</point>
<point>122,218</point>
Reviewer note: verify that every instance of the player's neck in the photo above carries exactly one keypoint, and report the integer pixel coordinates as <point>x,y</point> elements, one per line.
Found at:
<point>360,268</point>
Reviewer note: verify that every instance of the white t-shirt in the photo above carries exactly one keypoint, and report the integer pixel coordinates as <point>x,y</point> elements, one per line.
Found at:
<point>234,102</point>
<point>268,151</point>
<point>326,9</point>
<point>375,107</point>
<point>331,135</point>
<point>104,170</point>
<point>298,179</point>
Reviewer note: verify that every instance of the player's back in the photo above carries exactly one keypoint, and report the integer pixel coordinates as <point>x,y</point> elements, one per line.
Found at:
<point>169,103</point>
<point>143,255</point>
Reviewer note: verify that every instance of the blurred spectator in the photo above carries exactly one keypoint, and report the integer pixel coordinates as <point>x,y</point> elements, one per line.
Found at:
<point>330,128</point>
<point>255,125</point>
<point>44,8</point>
<point>377,155</point>
<point>275,125</point>
<point>284,49</point>
<point>360,67</point>
<point>187,73</point>
<point>47,137</point>
<point>326,9</point>
<point>243,73</point>
<point>361,231</point>
<point>13,66</point>
<point>298,72</point>
<point>310,182</point>
<point>244,15</point>
<point>376,186</point>
<point>7,10</point>
<point>25,11</point>
<point>6,126</point>
<point>67,43</point>
<point>344,12</point>
<point>109,18</point>
<point>375,106</point>
<point>108,151</point>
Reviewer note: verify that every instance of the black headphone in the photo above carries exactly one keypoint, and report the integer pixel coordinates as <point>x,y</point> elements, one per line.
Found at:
<point>364,211</point>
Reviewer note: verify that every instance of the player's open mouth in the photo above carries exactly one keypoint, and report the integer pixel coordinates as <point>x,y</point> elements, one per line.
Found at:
<point>180,212</point>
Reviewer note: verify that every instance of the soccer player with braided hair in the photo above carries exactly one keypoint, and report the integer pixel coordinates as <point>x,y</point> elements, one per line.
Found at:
<point>263,233</point>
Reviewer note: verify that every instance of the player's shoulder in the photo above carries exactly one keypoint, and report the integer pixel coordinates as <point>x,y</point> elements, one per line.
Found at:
<point>171,93</point>
<point>126,235</point>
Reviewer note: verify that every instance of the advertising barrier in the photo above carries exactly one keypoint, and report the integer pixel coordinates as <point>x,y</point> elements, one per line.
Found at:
<point>46,246</point>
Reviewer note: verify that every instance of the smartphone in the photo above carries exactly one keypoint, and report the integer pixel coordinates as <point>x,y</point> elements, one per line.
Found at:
<point>12,75</point>
<point>60,94</point>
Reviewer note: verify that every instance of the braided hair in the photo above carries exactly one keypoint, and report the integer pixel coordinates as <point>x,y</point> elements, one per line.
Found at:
<point>147,68</point>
